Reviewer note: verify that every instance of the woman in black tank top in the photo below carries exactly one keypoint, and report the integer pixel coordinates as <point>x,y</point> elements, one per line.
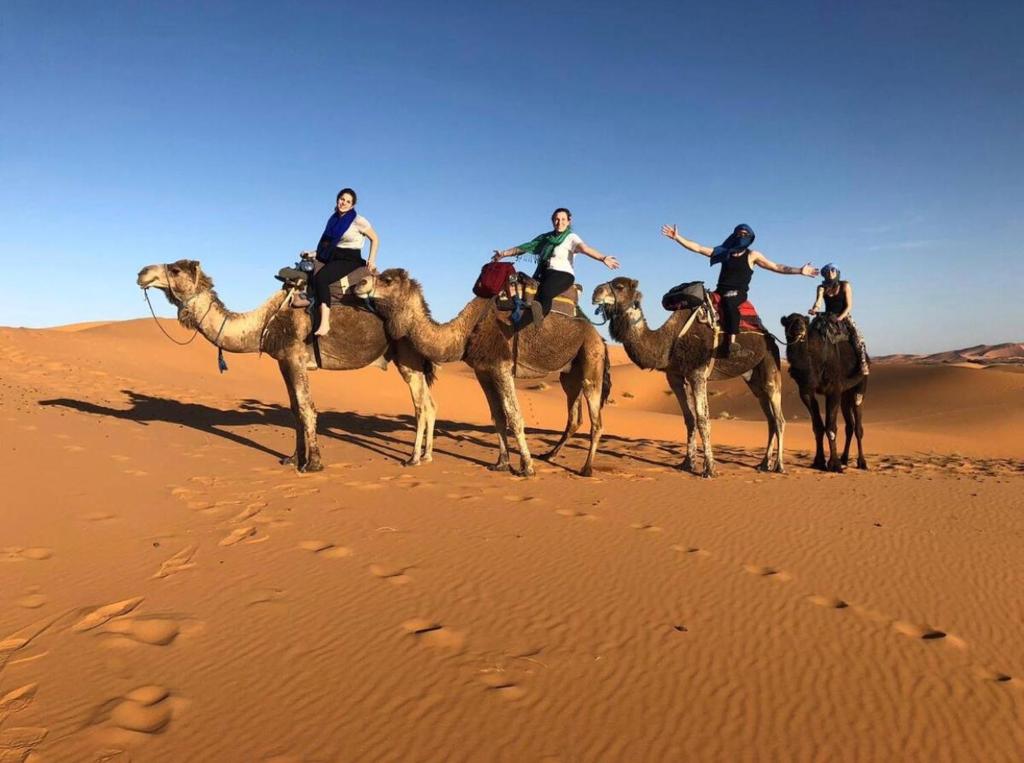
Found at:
<point>837,297</point>
<point>738,261</point>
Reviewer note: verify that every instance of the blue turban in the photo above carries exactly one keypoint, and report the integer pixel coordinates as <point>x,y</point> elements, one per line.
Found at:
<point>740,239</point>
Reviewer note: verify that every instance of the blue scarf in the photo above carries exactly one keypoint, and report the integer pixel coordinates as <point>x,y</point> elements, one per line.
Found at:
<point>733,245</point>
<point>337,225</point>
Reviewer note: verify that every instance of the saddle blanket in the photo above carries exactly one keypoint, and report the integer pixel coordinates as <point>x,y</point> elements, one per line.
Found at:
<point>749,319</point>
<point>564,304</point>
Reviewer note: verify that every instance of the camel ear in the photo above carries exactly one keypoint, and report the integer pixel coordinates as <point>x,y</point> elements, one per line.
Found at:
<point>784,320</point>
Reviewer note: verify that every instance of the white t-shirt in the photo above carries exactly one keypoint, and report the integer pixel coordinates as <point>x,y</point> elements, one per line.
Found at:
<point>355,235</point>
<point>562,256</point>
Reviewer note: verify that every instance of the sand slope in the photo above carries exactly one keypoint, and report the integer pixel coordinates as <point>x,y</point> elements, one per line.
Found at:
<point>170,593</point>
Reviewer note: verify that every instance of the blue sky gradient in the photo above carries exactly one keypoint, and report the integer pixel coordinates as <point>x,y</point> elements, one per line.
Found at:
<point>883,136</point>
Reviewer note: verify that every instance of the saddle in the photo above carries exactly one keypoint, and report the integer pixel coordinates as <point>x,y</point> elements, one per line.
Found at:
<point>750,321</point>
<point>566,303</point>
<point>832,331</point>
<point>341,290</point>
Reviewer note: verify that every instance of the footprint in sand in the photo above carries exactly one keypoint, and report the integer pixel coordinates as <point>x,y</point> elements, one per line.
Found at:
<point>985,674</point>
<point>434,634</point>
<point>923,632</point>
<point>238,535</point>
<point>101,615</point>
<point>147,710</point>
<point>501,683</point>
<point>574,514</point>
<point>263,596</point>
<point>325,549</point>
<point>98,516</point>
<point>646,527</point>
<point>154,631</point>
<point>31,600</point>
<point>391,573</point>
<point>15,700</point>
<point>249,511</point>
<point>180,562</point>
<point>691,550</point>
<point>768,572</point>
<point>17,744</point>
<point>18,554</point>
<point>830,602</point>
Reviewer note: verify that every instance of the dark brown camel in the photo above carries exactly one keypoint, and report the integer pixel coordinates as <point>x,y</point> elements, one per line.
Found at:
<point>357,339</point>
<point>832,369</point>
<point>685,350</point>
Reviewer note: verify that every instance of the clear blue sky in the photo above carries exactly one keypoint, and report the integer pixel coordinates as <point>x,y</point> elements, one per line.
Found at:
<point>885,136</point>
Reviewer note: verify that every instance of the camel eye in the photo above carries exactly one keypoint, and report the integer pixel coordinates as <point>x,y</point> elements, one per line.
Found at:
<point>617,287</point>
<point>175,271</point>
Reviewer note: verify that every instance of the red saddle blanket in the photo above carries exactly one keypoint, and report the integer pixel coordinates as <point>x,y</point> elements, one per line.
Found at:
<point>749,319</point>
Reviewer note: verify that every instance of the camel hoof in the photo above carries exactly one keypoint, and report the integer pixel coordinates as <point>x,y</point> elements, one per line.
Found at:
<point>764,466</point>
<point>779,469</point>
<point>411,462</point>
<point>686,465</point>
<point>525,471</point>
<point>499,467</point>
<point>820,465</point>
<point>587,471</point>
<point>429,458</point>
<point>547,456</point>
<point>862,464</point>
<point>836,467</point>
<point>708,473</point>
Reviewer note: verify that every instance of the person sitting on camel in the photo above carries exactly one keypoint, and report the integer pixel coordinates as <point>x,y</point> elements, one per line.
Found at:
<point>555,252</point>
<point>837,297</point>
<point>737,260</point>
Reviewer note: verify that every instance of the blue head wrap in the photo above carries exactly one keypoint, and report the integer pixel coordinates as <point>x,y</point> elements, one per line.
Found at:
<point>740,239</point>
<point>828,267</point>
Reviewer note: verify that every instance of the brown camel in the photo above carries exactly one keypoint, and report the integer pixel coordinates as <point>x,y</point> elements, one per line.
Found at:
<point>356,340</point>
<point>832,369</point>
<point>684,349</point>
<point>498,355</point>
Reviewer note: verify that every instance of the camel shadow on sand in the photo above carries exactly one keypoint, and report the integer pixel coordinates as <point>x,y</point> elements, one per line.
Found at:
<point>387,436</point>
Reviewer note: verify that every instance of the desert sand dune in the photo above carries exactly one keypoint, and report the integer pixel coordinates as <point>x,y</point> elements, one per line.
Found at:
<point>169,592</point>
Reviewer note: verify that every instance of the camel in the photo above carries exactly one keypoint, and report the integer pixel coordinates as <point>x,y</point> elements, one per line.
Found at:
<point>357,339</point>
<point>498,354</point>
<point>684,349</point>
<point>821,367</point>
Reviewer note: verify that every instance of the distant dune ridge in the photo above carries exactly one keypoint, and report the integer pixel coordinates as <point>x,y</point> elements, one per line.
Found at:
<point>169,591</point>
<point>1009,353</point>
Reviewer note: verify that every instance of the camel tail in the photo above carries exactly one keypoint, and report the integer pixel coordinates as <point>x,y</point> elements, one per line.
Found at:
<point>429,371</point>
<point>606,380</point>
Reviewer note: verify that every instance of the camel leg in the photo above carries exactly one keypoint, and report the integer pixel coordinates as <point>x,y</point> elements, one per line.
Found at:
<point>847,411</point>
<point>832,405</point>
<point>297,380</point>
<point>498,417</point>
<point>506,388</point>
<point>682,393</point>
<point>766,384</point>
<point>300,439</point>
<point>699,384</point>
<point>817,426</point>
<point>593,373</point>
<point>572,385</point>
<point>858,421</point>
<point>423,404</point>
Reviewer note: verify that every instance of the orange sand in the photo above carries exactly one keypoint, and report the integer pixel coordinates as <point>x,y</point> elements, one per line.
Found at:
<point>168,592</point>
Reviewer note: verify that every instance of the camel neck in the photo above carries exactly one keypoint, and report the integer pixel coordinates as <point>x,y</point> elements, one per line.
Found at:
<point>441,342</point>
<point>648,348</point>
<point>234,332</point>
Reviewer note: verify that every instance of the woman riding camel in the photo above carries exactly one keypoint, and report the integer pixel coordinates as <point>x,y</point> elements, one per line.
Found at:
<point>837,297</point>
<point>555,251</point>
<point>341,251</point>
<point>738,261</point>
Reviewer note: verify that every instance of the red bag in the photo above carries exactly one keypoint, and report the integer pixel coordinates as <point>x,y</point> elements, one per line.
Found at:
<point>493,279</point>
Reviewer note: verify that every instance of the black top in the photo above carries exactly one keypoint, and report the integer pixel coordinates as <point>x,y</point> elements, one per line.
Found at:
<point>835,305</point>
<point>736,273</point>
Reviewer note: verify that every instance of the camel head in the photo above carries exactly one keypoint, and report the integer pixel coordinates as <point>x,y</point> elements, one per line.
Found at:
<point>796,327</point>
<point>618,295</point>
<point>180,281</point>
<point>390,291</point>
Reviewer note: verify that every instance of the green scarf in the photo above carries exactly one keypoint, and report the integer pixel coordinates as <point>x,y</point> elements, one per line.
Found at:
<point>544,245</point>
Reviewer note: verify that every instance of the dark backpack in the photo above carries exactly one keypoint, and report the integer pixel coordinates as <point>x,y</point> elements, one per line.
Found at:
<point>685,296</point>
<point>493,279</point>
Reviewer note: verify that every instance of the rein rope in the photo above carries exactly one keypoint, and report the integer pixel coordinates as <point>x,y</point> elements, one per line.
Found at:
<point>145,293</point>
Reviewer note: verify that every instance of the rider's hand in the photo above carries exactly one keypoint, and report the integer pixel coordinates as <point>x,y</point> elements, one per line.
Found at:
<point>809,270</point>
<point>496,256</point>
<point>611,262</point>
<point>813,311</point>
<point>670,231</point>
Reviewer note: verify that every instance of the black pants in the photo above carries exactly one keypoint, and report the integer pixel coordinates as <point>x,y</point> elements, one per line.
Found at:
<point>731,310</point>
<point>552,283</point>
<point>341,263</point>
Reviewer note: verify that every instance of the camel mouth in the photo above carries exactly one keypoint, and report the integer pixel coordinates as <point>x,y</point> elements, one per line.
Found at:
<point>364,288</point>
<point>150,278</point>
<point>602,296</point>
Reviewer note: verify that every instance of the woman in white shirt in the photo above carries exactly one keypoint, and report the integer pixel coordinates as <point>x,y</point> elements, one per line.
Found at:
<point>341,251</point>
<point>555,251</point>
